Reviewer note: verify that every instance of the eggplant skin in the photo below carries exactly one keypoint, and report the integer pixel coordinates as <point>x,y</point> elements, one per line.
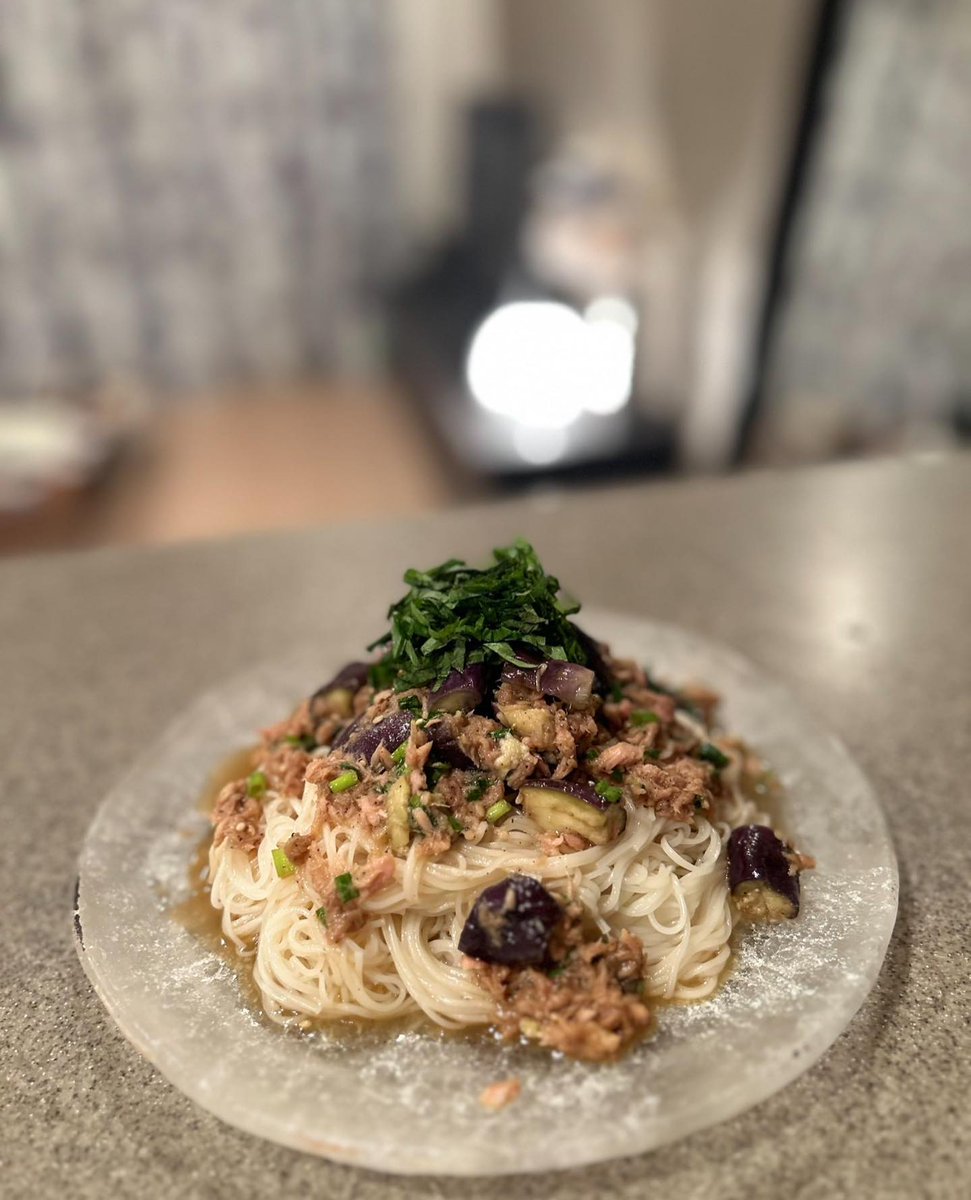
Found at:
<point>511,923</point>
<point>360,739</point>
<point>761,877</point>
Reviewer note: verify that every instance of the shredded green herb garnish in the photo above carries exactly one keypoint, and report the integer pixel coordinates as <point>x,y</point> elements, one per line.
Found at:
<point>304,740</point>
<point>454,616</point>
<point>411,704</point>
<point>610,792</point>
<point>284,866</point>
<point>500,733</point>
<point>477,790</point>
<point>257,784</point>
<point>346,891</point>
<point>380,675</point>
<point>456,824</point>
<point>398,756</point>
<point>644,716</point>
<point>345,781</point>
<point>591,755</point>
<point>495,812</point>
<point>713,755</point>
<point>322,916</point>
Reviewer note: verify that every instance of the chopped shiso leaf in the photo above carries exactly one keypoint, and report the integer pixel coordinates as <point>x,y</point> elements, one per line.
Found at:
<point>644,716</point>
<point>496,812</point>
<point>610,792</point>
<point>477,790</point>
<point>455,616</point>
<point>345,781</point>
<point>346,890</point>
<point>411,704</point>
<point>284,866</point>
<point>713,755</point>
<point>257,784</point>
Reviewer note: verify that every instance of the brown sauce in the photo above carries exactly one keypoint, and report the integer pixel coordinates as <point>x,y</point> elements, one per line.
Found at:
<point>198,917</point>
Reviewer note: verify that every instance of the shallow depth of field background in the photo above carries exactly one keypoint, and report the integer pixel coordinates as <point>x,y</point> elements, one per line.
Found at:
<point>272,263</point>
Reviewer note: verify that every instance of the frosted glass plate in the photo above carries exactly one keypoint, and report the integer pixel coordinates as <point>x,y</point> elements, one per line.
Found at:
<point>409,1103</point>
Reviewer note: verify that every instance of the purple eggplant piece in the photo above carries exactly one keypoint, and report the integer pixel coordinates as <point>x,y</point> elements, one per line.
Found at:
<point>352,677</point>
<point>569,682</point>
<point>511,923</point>
<point>559,806</point>
<point>511,673</point>
<point>461,691</point>
<point>361,738</point>
<point>595,658</point>
<point>763,883</point>
<point>579,789</point>
<point>447,748</point>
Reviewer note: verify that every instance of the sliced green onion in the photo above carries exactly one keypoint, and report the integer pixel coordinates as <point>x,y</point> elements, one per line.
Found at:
<point>456,824</point>
<point>322,916</point>
<point>304,740</point>
<point>495,812</point>
<point>346,890</point>
<point>644,716</point>
<point>284,866</point>
<point>257,784</point>
<point>437,772</point>
<point>713,755</point>
<point>345,781</point>
<point>610,792</point>
<point>398,756</point>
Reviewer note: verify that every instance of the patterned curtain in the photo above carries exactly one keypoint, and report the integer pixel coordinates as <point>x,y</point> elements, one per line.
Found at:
<point>192,191</point>
<point>877,329</point>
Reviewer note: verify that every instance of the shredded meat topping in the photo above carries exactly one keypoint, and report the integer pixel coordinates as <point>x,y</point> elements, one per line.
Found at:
<point>238,818</point>
<point>588,1005</point>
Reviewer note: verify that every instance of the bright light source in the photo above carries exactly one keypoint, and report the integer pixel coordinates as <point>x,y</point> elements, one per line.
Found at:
<point>520,363</point>
<point>542,364</point>
<point>539,446</point>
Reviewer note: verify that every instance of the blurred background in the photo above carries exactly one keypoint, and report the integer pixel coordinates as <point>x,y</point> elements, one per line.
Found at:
<point>270,263</point>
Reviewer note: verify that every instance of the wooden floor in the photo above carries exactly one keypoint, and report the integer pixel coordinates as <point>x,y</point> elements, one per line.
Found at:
<point>274,459</point>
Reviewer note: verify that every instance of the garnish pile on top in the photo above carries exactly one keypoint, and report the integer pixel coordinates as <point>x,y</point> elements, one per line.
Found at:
<point>455,616</point>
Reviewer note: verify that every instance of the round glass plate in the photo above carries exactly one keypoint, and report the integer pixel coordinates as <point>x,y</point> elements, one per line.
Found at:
<point>409,1102</point>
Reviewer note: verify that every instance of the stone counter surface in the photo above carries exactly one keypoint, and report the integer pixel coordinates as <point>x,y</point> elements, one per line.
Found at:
<point>852,584</point>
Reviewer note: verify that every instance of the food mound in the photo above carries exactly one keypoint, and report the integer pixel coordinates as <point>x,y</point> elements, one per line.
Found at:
<point>496,823</point>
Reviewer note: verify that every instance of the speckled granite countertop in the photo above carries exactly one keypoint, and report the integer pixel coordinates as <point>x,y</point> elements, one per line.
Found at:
<point>852,584</point>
